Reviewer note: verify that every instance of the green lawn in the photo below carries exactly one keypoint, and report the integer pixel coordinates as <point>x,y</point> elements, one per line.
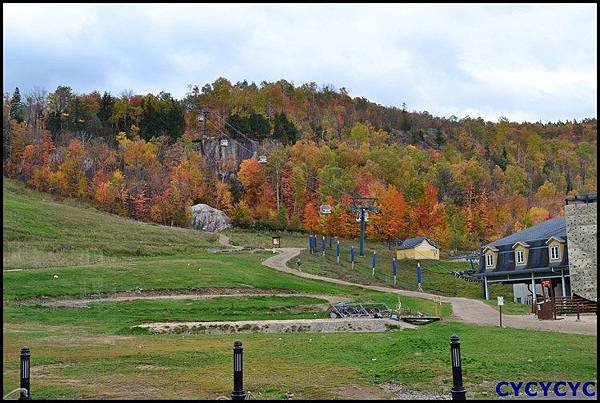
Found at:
<point>90,352</point>
<point>510,308</point>
<point>71,363</point>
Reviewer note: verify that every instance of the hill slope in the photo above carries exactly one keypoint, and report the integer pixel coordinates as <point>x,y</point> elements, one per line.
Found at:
<point>40,232</point>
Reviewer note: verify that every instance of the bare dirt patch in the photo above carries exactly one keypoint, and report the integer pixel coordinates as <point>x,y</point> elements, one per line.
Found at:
<point>278,326</point>
<point>194,293</point>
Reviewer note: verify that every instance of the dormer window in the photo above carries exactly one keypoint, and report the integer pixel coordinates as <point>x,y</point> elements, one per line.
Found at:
<point>520,257</point>
<point>521,251</point>
<point>555,249</point>
<point>490,255</point>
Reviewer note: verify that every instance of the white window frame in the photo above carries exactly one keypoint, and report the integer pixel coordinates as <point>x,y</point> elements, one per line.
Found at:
<point>520,253</point>
<point>489,260</point>
<point>557,249</point>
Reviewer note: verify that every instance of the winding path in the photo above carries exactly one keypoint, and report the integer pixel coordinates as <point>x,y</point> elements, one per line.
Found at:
<point>464,309</point>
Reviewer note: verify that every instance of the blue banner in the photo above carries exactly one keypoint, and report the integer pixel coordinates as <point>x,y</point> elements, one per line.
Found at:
<point>419,274</point>
<point>323,243</point>
<point>352,253</point>
<point>337,248</point>
<point>374,258</point>
<point>394,267</point>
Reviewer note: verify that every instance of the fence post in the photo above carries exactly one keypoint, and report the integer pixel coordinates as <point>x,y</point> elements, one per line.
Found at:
<point>238,372</point>
<point>25,373</point>
<point>458,390</point>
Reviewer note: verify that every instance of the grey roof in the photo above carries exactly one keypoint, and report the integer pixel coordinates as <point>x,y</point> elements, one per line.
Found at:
<point>535,237</point>
<point>412,242</point>
<point>552,227</point>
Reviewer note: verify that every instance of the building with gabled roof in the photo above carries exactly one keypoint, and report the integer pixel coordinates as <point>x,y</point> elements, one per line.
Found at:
<point>541,254</point>
<point>418,248</point>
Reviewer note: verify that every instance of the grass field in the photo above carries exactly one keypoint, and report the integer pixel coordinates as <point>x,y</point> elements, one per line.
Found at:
<point>73,363</point>
<point>510,308</point>
<point>91,352</point>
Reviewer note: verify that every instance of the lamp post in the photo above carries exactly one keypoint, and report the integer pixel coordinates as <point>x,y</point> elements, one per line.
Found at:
<point>458,390</point>
<point>25,373</point>
<point>238,372</point>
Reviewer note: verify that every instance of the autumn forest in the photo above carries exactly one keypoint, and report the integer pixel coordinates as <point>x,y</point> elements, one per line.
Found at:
<point>460,181</point>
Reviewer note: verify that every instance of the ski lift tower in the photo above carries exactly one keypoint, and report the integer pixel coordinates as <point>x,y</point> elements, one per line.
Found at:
<point>204,119</point>
<point>362,205</point>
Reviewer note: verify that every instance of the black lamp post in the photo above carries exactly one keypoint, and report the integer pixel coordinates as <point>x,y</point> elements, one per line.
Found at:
<point>238,372</point>
<point>458,390</point>
<point>25,372</point>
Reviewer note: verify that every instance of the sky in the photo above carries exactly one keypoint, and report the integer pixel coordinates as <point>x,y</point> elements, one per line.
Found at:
<point>524,62</point>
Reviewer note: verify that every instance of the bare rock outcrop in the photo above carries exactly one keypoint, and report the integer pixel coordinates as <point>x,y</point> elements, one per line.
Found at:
<point>207,218</point>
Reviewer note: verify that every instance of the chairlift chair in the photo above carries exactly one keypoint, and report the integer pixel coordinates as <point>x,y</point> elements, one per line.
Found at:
<point>262,159</point>
<point>366,216</point>
<point>325,209</point>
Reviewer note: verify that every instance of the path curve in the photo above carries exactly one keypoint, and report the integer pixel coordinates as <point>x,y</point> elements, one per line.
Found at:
<point>464,309</point>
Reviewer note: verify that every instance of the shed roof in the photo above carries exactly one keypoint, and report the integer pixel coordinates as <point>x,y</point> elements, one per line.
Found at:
<point>413,242</point>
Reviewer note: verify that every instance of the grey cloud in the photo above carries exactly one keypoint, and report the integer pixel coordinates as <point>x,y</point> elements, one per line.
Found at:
<point>519,61</point>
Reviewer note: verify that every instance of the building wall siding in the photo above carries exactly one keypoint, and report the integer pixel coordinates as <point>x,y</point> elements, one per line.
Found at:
<point>422,251</point>
<point>581,243</point>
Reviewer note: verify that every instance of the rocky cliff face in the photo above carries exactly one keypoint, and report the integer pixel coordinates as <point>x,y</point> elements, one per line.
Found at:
<point>206,218</point>
<point>226,160</point>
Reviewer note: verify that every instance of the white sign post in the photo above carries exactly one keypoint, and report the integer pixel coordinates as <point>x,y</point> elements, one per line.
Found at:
<point>500,303</point>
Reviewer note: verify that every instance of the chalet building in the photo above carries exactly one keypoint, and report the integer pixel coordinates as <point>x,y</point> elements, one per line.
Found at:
<point>541,255</point>
<point>417,248</point>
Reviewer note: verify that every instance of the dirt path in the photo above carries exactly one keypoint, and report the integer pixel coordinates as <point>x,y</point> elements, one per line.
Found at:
<point>224,241</point>
<point>465,309</point>
<point>128,296</point>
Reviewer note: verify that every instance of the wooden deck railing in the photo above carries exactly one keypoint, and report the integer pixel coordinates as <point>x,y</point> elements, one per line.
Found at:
<point>573,305</point>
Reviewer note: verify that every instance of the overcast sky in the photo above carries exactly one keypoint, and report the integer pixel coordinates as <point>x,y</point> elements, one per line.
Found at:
<point>523,62</point>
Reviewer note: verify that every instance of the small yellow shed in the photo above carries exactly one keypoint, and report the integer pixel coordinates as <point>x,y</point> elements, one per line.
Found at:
<point>418,248</point>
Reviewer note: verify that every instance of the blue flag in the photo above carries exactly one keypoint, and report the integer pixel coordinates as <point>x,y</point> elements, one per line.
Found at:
<point>419,274</point>
<point>352,253</point>
<point>323,243</point>
<point>374,258</point>
<point>337,248</point>
<point>394,267</point>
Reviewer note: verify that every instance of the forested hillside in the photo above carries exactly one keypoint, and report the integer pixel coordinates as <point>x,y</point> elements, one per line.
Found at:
<point>460,181</point>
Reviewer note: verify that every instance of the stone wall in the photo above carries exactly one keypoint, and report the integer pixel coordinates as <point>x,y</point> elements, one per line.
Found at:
<point>581,243</point>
